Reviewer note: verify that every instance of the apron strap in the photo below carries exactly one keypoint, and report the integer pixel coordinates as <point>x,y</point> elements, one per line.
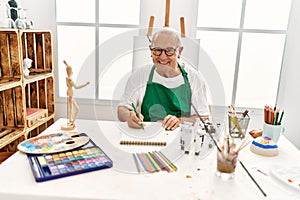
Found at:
<point>151,74</point>
<point>183,72</point>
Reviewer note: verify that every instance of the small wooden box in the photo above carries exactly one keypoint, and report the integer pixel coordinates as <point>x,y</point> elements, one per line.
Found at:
<point>35,115</point>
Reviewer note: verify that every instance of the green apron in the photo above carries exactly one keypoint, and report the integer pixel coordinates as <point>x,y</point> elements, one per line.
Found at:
<point>160,101</point>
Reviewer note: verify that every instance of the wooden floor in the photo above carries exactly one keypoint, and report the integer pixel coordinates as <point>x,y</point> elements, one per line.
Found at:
<point>5,155</point>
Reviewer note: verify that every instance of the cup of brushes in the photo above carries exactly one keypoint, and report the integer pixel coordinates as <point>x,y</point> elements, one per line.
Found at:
<point>238,123</point>
<point>227,156</point>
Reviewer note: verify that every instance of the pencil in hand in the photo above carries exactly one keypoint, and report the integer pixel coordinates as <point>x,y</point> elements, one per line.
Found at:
<point>137,114</point>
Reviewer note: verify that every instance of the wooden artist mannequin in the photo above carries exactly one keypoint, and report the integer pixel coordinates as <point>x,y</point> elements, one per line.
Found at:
<point>71,101</point>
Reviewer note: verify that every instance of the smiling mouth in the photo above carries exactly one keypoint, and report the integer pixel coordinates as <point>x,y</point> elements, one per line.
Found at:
<point>163,63</point>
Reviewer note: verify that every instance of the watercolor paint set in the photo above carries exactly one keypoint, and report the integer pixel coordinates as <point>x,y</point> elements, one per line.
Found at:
<point>71,162</point>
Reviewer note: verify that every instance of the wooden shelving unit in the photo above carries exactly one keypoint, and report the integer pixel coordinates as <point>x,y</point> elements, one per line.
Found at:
<point>21,95</point>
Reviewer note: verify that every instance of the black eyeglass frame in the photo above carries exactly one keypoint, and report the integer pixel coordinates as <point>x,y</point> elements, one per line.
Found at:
<point>166,50</point>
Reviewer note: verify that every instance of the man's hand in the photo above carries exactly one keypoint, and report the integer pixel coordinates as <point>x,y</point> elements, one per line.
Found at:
<point>133,121</point>
<point>171,122</point>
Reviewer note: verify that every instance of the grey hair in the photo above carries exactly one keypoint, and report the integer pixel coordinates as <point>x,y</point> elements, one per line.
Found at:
<point>172,31</point>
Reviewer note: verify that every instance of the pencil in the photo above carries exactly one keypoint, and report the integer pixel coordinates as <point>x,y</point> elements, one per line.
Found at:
<point>142,162</point>
<point>167,161</point>
<point>270,116</point>
<point>147,163</point>
<point>276,118</point>
<point>267,114</point>
<point>163,162</point>
<point>137,114</point>
<point>279,123</point>
<point>152,161</point>
<point>158,161</point>
<point>136,163</point>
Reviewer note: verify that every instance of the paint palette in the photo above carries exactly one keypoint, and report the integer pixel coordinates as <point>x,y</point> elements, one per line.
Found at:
<point>289,175</point>
<point>52,143</point>
<point>80,160</point>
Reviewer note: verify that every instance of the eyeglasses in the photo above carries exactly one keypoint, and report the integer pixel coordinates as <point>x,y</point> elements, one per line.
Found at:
<point>168,51</point>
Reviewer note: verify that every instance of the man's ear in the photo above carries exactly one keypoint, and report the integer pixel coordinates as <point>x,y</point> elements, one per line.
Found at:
<point>180,50</point>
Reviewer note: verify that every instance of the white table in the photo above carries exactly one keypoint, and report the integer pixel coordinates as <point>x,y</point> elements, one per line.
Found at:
<point>195,178</point>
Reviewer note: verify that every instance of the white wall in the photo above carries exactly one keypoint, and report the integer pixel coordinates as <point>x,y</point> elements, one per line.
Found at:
<point>41,12</point>
<point>289,93</point>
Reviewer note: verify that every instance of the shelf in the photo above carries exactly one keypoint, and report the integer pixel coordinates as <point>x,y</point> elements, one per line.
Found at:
<point>10,55</point>
<point>8,84</point>
<point>37,77</point>
<point>10,136</point>
<point>19,92</point>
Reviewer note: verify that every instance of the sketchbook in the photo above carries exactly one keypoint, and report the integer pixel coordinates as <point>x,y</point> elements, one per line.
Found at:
<point>153,134</point>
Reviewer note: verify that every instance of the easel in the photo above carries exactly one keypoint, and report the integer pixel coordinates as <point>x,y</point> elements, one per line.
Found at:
<point>167,21</point>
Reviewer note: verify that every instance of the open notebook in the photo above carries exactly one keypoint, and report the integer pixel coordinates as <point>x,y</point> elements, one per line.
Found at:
<point>153,134</point>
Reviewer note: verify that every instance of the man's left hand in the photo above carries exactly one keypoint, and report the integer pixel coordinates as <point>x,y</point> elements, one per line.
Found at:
<point>171,122</point>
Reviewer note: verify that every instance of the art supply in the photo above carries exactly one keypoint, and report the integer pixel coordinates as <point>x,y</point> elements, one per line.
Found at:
<point>209,129</point>
<point>167,161</point>
<point>153,162</point>
<point>238,122</point>
<point>53,143</point>
<point>137,114</point>
<point>244,169</point>
<point>186,137</point>
<point>264,146</point>
<point>288,175</point>
<point>159,139</point>
<point>252,178</point>
<point>137,163</point>
<point>273,116</point>
<point>227,158</point>
<point>199,140</point>
<point>226,164</point>
<point>153,134</point>
<point>80,160</point>
<point>273,131</point>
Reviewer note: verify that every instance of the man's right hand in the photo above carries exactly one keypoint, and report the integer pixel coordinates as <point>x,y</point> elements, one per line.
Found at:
<point>133,121</point>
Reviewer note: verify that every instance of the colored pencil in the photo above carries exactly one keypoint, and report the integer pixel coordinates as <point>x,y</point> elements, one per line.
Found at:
<point>137,114</point>
<point>164,163</point>
<point>147,163</point>
<point>137,164</point>
<point>168,161</point>
<point>270,116</point>
<point>265,114</point>
<point>279,123</point>
<point>276,117</point>
<point>152,162</point>
<point>158,161</point>
<point>141,161</point>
